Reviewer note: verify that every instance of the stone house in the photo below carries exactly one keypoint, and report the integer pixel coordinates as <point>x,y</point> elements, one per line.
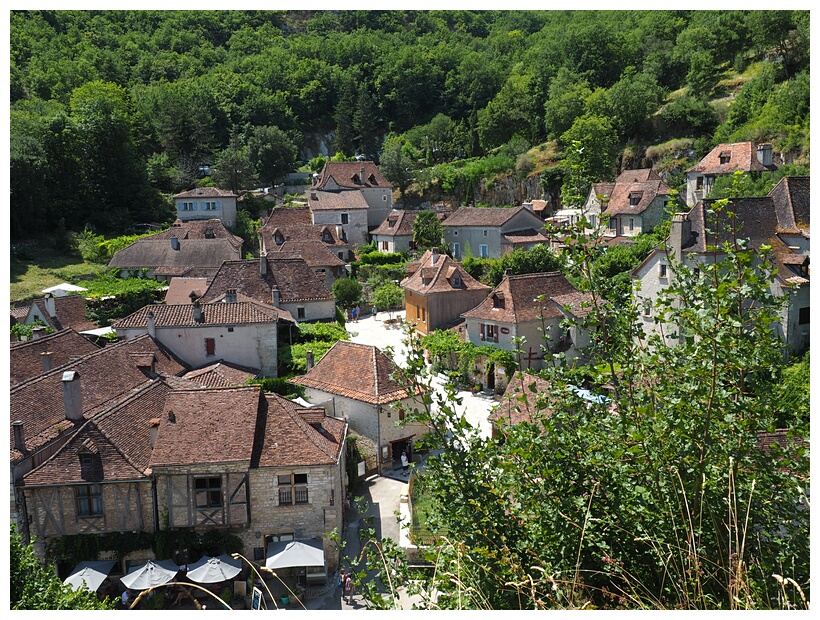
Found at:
<point>357,177</point>
<point>780,220</point>
<point>726,159</point>
<point>353,381</point>
<point>245,333</point>
<point>327,266</point>
<point>348,210</point>
<point>47,409</point>
<point>205,203</point>
<point>634,204</point>
<point>439,291</point>
<point>533,308</point>
<point>492,231</point>
<point>55,312</point>
<point>395,233</point>
<point>283,280</point>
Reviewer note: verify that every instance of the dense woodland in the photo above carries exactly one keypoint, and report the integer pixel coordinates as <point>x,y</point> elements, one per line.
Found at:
<point>114,111</point>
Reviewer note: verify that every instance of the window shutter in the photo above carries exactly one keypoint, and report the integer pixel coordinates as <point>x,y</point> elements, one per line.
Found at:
<point>482,331</point>
<point>210,346</point>
<point>495,335</point>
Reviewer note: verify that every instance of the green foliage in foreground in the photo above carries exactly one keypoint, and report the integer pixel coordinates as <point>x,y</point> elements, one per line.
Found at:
<point>658,498</point>
<point>110,285</point>
<point>443,343</point>
<point>34,586</point>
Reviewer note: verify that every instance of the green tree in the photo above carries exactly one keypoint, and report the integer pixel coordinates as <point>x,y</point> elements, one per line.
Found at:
<point>567,101</point>
<point>271,152</point>
<point>388,296</point>
<point>348,292</point>
<point>34,586</point>
<point>396,166</point>
<point>589,156</point>
<point>427,230</point>
<point>632,99</point>
<point>233,168</point>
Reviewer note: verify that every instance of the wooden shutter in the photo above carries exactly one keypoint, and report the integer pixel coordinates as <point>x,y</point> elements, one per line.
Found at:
<point>210,346</point>
<point>482,331</point>
<point>495,334</point>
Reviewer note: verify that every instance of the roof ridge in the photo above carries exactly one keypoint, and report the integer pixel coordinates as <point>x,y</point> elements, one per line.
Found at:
<point>311,433</point>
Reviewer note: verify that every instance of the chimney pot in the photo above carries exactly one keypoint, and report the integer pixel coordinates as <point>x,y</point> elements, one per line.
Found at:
<point>263,263</point>
<point>72,396</point>
<point>275,296</point>
<point>47,359</point>
<point>198,312</point>
<point>37,332</point>
<point>309,358</point>
<point>19,435</point>
<point>51,308</point>
<point>152,330</point>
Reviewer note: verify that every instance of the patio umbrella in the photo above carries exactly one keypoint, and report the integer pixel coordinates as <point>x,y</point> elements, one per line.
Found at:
<point>214,570</point>
<point>152,573</point>
<point>89,574</point>
<point>295,553</point>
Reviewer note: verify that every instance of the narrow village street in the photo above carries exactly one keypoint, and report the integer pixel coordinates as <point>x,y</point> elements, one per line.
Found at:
<point>383,493</point>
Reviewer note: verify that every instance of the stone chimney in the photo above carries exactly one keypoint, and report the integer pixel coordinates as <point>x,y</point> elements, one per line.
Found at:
<point>309,358</point>
<point>19,436</point>
<point>153,430</point>
<point>275,296</point>
<point>152,330</point>
<point>198,317</point>
<point>37,332</point>
<point>263,263</point>
<point>680,234</point>
<point>47,358</point>
<point>175,244</point>
<point>51,308</point>
<point>764,154</point>
<point>361,176</point>
<point>72,396</point>
<point>433,256</point>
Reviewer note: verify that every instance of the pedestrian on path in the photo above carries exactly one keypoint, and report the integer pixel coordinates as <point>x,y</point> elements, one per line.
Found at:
<point>357,313</point>
<point>349,588</point>
<point>404,462</point>
<point>374,310</point>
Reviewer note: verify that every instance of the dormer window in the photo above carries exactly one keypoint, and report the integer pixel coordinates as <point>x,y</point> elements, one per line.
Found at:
<point>725,158</point>
<point>278,238</point>
<point>456,279</point>
<point>498,300</point>
<point>391,223</point>
<point>635,198</point>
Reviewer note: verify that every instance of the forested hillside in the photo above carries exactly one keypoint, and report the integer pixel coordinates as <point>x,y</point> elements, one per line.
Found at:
<point>113,111</point>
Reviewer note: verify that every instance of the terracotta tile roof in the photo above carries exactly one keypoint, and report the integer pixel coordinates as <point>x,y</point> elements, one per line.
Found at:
<point>119,436</point>
<point>356,371</point>
<point>602,189</point>
<point>290,439</point>
<point>151,253</point>
<point>526,236</point>
<point>296,224</point>
<point>348,174</point>
<point>514,300</point>
<point>438,277</point>
<point>540,205</point>
<point>288,216</point>
<point>314,253</point>
<point>218,313</point>
<point>482,216</point>
<point>641,193</point>
<point>221,374</point>
<point>397,223</point>
<point>293,277</point>
<point>336,201</point>
<point>104,375</point>
<point>741,156</point>
<point>206,192</point>
<point>638,175</point>
<point>518,404</point>
<point>199,229</point>
<point>792,203</point>
<point>26,361</point>
<point>70,312</point>
<point>207,426</point>
<point>180,289</point>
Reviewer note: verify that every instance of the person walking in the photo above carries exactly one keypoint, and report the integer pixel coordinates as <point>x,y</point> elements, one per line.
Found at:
<point>405,464</point>
<point>349,588</point>
<point>355,314</point>
<point>358,313</point>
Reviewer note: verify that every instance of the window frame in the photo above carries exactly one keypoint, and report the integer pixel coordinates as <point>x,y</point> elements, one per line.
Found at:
<point>803,313</point>
<point>209,490</point>
<point>344,218</point>
<point>88,501</point>
<point>210,347</point>
<point>483,250</point>
<point>294,491</point>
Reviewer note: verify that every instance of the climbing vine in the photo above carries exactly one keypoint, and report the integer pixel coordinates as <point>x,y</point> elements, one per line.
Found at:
<point>443,343</point>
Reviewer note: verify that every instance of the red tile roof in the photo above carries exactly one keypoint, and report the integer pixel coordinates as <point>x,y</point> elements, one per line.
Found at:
<point>397,223</point>
<point>218,313</point>
<point>524,237</point>
<point>336,201</point>
<point>207,426</point>
<point>742,156</point>
<point>638,175</point>
<point>315,253</point>
<point>293,277</point>
<point>70,312</point>
<point>482,216</point>
<point>180,289</point>
<point>642,193</point>
<point>104,376</point>
<point>198,229</point>
<point>151,253</point>
<point>26,358</point>
<point>792,203</point>
<point>206,192</point>
<point>437,277</point>
<point>221,374</point>
<point>515,299</point>
<point>296,224</point>
<point>291,440</point>
<point>357,371</point>
<point>348,174</point>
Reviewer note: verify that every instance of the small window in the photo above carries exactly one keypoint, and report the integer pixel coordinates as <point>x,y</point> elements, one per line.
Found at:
<point>210,346</point>
<point>89,500</point>
<point>293,489</point>
<point>384,246</point>
<point>647,308</point>
<point>211,206</point>
<point>699,183</point>
<point>455,233</point>
<point>613,224</point>
<point>485,233</point>
<point>279,239</point>
<point>456,250</point>
<point>804,316</point>
<point>631,223</point>
<point>484,250</point>
<point>725,158</point>
<point>208,492</point>
<point>345,218</point>
<point>230,330</point>
<point>384,197</point>
<point>300,313</point>
<point>341,255</point>
<point>662,270</point>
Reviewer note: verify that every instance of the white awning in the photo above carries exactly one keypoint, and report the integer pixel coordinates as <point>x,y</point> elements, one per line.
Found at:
<point>61,290</point>
<point>295,553</point>
<point>100,331</point>
<point>90,574</point>
<point>153,573</point>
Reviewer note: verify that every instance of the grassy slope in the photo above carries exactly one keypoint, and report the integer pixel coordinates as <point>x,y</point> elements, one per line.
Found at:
<point>37,265</point>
